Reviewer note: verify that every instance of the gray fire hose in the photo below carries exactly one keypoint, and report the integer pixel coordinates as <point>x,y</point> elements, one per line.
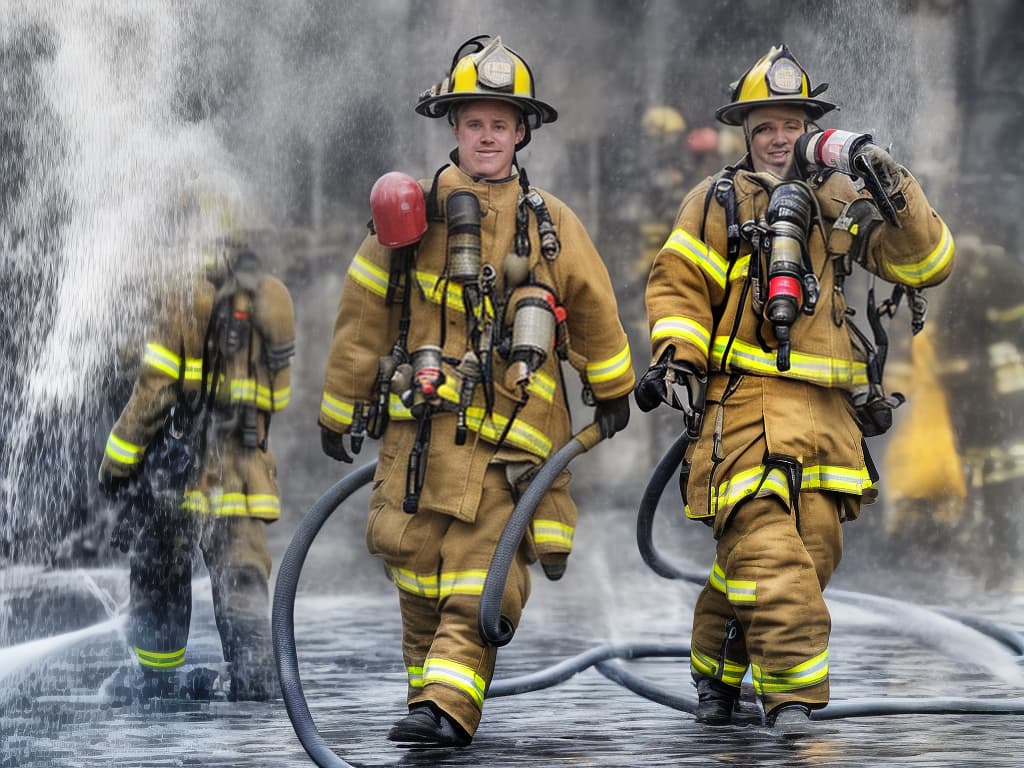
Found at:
<point>495,629</point>
<point>283,618</point>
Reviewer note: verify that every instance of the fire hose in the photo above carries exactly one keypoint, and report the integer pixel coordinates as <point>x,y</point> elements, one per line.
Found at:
<point>499,629</point>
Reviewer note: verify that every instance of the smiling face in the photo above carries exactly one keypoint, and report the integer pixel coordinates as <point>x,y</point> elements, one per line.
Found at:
<point>487,133</point>
<point>772,131</point>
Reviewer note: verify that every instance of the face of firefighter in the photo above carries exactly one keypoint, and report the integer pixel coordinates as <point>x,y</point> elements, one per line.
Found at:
<point>771,133</point>
<point>487,133</point>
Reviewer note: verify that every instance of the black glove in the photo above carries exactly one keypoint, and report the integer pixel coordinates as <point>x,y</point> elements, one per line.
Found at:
<point>612,415</point>
<point>333,444</point>
<point>651,391</point>
<point>887,169</point>
<point>113,487</point>
<point>122,535</point>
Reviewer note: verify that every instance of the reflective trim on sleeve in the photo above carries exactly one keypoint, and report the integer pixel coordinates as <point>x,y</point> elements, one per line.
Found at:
<point>553,533</point>
<point>162,359</point>
<point>700,253</point>
<point>337,410</point>
<point>610,368</point>
<point>369,275</point>
<point>124,453</point>
<point>273,400</point>
<point>684,329</point>
<point>921,272</point>
<point>803,675</point>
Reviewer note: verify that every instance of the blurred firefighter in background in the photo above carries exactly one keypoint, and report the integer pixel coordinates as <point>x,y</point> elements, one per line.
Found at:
<point>454,319</point>
<point>746,308</point>
<point>676,159</point>
<point>189,459</point>
<point>976,354</point>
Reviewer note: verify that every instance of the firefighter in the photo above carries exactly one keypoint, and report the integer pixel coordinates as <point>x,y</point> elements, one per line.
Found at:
<point>448,342</point>
<point>745,299</point>
<point>189,462</point>
<point>979,355</point>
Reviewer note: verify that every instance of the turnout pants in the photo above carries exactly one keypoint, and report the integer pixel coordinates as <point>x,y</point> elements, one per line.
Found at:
<point>439,565</point>
<point>236,555</point>
<point>763,607</point>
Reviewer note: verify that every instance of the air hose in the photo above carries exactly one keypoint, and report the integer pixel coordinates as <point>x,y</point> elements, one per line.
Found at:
<point>495,629</point>
<point>283,618</point>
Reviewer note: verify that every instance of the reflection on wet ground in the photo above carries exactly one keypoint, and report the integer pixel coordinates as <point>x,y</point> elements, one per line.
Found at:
<point>60,709</point>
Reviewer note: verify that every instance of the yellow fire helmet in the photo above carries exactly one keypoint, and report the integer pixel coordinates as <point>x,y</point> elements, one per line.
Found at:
<point>663,120</point>
<point>776,78</point>
<point>488,70</point>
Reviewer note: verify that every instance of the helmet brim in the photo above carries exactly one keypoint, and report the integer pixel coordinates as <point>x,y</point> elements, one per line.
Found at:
<point>535,112</point>
<point>734,113</point>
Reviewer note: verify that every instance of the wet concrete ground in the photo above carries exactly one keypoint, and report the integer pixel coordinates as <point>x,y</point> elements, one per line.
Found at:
<point>58,705</point>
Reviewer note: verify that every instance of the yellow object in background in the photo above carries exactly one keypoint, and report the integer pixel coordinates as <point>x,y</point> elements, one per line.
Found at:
<point>923,472</point>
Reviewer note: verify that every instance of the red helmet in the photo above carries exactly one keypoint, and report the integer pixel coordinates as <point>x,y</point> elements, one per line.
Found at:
<point>399,210</point>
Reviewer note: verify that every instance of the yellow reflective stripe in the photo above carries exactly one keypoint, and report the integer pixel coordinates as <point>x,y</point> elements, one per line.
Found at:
<point>397,409</point>
<point>553,532</point>
<point>701,254</point>
<point>1008,315</point>
<point>122,452</point>
<point>816,369</point>
<point>424,585</point>
<point>160,357</point>
<point>336,409</point>
<point>193,369</point>
<point>741,591</point>
<point>369,275</point>
<point>458,676</point>
<point>743,484</point>
<point>437,288</point>
<point>611,368</point>
<point>243,390</point>
<point>843,479</point>
<point>265,506</point>
<point>160,659</point>
<point>195,501</point>
<point>716,579</point>
<point>542,385</point>
<point>934,263</point>
<point>732,674</point>
<point>415,676</point>
<point>678,327</point>
<point>272,400</point>
<point>803,675</point>
<point>521,434</point>
<point>462,583</point>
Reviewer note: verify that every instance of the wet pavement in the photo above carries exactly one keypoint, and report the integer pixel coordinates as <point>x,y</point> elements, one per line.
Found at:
<point>60,703</point>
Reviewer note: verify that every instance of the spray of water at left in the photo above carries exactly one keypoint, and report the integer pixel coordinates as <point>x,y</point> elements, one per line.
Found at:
<point>101,148</point>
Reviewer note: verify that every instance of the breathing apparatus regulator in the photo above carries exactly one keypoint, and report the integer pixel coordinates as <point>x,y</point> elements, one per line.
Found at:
<point>852,154</point>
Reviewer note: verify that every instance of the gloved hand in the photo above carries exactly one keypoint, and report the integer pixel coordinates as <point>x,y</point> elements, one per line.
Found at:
<point>113,487</point>
<point>651,391</point>
<point>887,169</point>
<point>333,444</point>
<point>122,535</point>
<point>612,415</point>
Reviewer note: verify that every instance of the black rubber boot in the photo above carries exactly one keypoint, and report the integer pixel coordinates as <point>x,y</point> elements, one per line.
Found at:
<point>715,701</point>
<point>791,721</point>
<point>428,726</point>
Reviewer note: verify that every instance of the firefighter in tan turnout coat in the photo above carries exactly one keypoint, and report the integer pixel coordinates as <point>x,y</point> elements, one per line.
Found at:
<point>448,345</point>
<point>747,290</point>
<point>219,351</point>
